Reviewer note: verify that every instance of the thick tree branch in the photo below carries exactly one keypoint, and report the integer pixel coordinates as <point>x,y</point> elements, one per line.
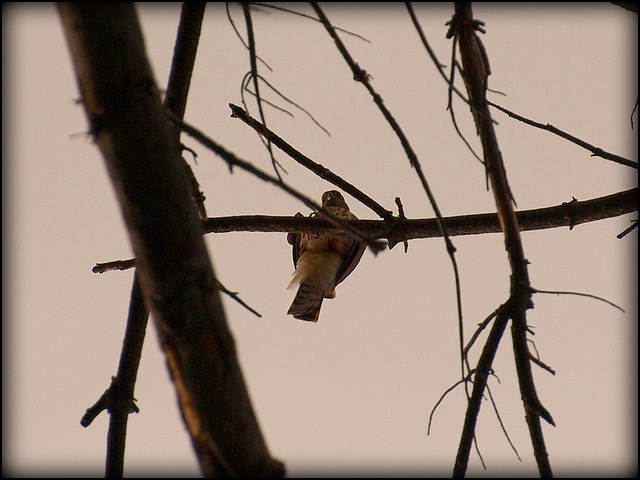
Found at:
<point>568,214</point>
<point>143,159</point>
<point>476,70</point>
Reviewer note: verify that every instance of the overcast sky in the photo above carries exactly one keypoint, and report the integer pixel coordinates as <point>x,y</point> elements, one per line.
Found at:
<point>353,392</point>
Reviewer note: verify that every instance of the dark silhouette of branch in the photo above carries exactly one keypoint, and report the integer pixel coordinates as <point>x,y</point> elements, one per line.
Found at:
<point>286,99</point>
<point>142,154</point>
<point>233,161</point>
<point>131,263</point>
<point>122,385</point>
<point>118,398</point>
<point>306,162</point>
<point>628,230</point>
<point>235,29</point>
<point>360,75</point>
<point>449,79</point>
<point>304,15</point>
<point>480,375</point>
<point>568,214</point>
<point>475,72</point>
<point>597,152</point>
<point>256,81</point>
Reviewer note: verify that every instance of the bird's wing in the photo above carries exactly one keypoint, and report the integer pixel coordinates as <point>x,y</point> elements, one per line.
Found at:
<point>295,240</point>
<point>350,259</point>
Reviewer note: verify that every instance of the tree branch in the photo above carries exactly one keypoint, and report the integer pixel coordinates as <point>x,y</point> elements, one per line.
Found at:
<point>306,162</point>
<point>596,151</point>
<point>130,127</point>
<point>568,214</point>
<point>476,70</point>
<point>233,161</point>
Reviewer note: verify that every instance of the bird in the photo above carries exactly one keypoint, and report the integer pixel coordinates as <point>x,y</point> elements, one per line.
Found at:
<point>322,261</point>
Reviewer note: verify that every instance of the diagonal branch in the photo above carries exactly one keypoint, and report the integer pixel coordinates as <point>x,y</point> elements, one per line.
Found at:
<point>142,155</point>
<point>306,162</point>
<point>234,161</point>
<point>596,151</point>
<point>360,75</point>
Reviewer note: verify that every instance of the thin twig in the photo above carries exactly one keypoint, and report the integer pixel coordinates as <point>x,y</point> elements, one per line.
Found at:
<point>256,81</point>
<point>305,161</point>
<point>502,426</point>
<point>481,373</point>
<point>360,75</point>
<point>580,294</point>
<point>286,99</point>
<point>232,160</point>
<point>235,29</point>
<point>130,263</point>
<point>596,151</point>
<point>304,15</point>
<point>628,230</point>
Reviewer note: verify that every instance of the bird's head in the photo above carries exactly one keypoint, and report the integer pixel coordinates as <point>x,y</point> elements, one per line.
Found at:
<point>333,198</point>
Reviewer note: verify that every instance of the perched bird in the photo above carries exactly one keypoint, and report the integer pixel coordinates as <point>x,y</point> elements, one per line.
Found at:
<point>322,261</point>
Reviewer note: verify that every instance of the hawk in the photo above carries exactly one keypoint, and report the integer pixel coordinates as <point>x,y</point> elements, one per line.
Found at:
<point>322,261</point>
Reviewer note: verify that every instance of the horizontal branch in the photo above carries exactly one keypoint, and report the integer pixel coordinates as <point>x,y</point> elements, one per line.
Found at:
<point>568,214</point>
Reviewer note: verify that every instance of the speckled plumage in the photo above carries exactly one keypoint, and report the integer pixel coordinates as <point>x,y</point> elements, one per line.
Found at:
<point>322,261</point>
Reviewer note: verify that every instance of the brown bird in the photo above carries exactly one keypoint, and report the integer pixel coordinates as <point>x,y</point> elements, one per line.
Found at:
<point>322,261</point>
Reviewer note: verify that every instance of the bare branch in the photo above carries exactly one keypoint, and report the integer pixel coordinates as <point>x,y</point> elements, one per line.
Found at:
<point>176,277</point>
<point>580,294</point>
<point>306,162</point>
<point>597,152</point>
<point>233,160</point>
<point>475,71</point>
<point>256,81</point>
<point>360,75</point>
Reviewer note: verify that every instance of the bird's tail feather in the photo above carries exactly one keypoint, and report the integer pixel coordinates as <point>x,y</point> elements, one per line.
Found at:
<point>307,302</point>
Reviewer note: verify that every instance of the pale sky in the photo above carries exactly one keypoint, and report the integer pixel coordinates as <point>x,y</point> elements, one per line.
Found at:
<point>352,393</point>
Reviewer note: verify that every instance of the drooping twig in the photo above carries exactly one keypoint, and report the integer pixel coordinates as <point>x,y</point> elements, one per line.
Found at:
<point>304,15</point>
<point>580,294</point>
<point>235,29</point>
<point>449,79</point>
<point>288,100</point>
<point>256,82</point>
